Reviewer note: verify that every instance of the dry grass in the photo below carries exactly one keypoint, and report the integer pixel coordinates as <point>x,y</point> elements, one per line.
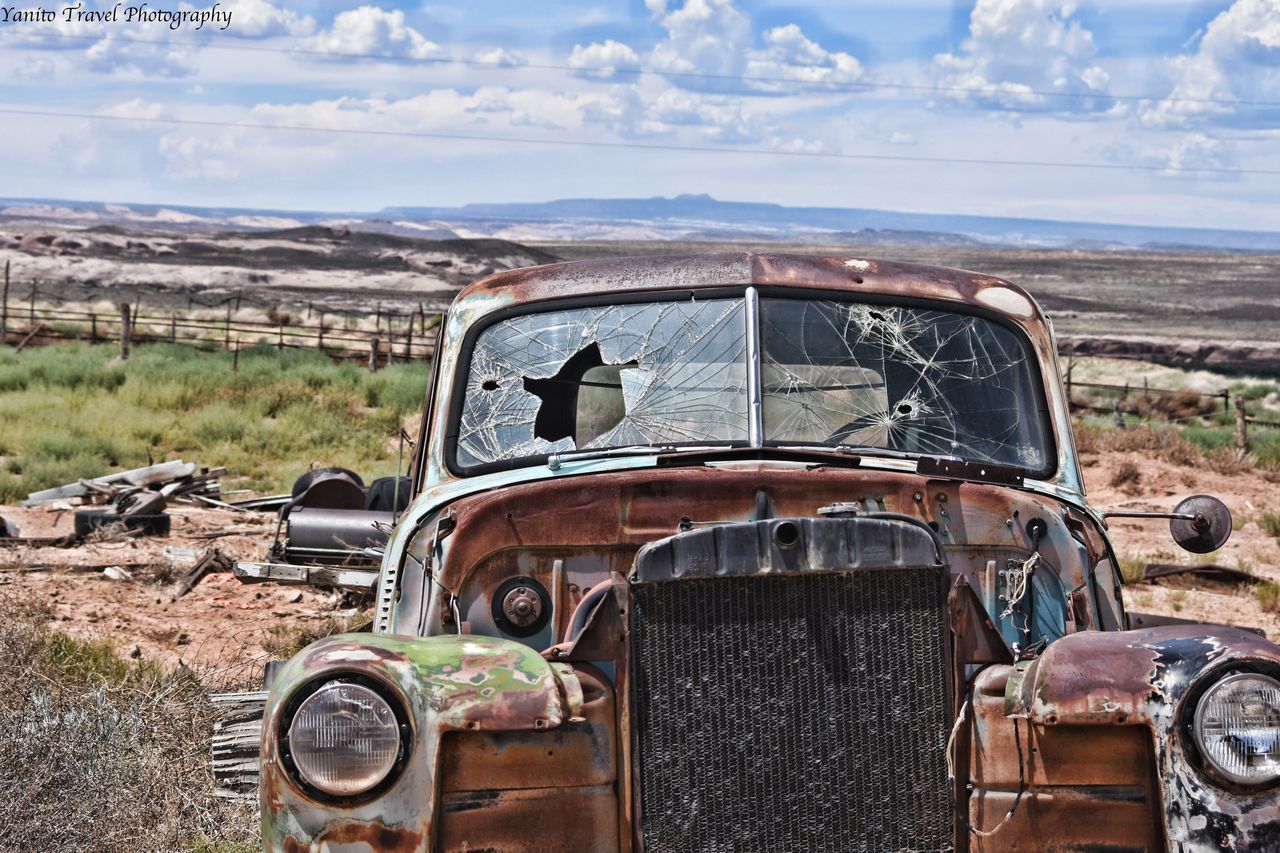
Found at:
<point>1270,524</point>
<point>1127,478</point>
<point>1177,406</point>
<point>1133,569</point>
<point>286,640</point>
<point>1268,595</point>
<point>1167,444</point>
<point>99,753</point>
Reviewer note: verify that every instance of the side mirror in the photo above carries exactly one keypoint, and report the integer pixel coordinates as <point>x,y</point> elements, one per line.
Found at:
<point>1199,524</point>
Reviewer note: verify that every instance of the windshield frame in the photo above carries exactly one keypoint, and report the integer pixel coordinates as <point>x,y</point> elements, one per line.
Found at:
<point>751,294</point>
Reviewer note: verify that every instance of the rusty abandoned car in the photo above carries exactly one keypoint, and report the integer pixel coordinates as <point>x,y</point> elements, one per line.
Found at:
<point>753,552</point>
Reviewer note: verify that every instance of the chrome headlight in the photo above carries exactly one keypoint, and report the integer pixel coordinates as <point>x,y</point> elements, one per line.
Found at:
<point>344,739</point>
<point>1237,728</point>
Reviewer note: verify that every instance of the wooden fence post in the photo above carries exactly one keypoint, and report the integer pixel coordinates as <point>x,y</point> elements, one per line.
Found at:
<point>280,336</point>
<point>93,328</point>
<point>226,329</point>
<point>408,342</point>
<point>1242,427</point>
<point>235,359</point>
<point>126,330</point>
<point>1226,399</point>
<point>4,312</point>
<point>31,305</point>
<point>173,328</point>
<point>373,355</point>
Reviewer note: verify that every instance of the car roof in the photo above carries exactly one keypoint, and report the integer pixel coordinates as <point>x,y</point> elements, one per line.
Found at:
<point>678,272</point>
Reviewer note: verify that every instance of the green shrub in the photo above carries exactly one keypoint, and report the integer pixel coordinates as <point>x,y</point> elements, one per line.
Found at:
<point>72,411</point>
<point>1268,595</point>
<point>1270,524</point>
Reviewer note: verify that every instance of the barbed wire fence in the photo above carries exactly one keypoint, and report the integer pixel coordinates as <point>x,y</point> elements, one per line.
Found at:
<point>387,334</point>
<point>378,335</point>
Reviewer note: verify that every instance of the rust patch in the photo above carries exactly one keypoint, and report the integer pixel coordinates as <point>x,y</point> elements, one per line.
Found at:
<point>384,839</point>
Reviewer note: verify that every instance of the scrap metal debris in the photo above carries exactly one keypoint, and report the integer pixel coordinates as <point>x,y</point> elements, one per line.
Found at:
<point>175,480</point>
<point>210,561</point>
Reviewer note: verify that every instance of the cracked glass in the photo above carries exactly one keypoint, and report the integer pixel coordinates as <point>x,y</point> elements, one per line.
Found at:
<point>903,379</point>
<point>658,373</point>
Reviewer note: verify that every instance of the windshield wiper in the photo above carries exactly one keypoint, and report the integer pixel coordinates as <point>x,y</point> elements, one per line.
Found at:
<point>558,458</point>
<point>961,469</point>
<point>811,455</point>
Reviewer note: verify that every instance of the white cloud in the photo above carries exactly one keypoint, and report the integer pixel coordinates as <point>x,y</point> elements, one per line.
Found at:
<point>1017,48</point>
<point>1187,151</point>
<point>111,56</point>
<point>790,55</point>
<point>34,69</point>
<point>136,108</point>
<point>491,107</point>
<point>499,56</point>
<point>371,31</point>
<point>1237,58</point>
<point>260,19</point>
<point>715,38</point>
<point>194,157</point>
<point>682,115</point>
<point>709,45</point>
<point>603,59</point>
<point>703,36</point>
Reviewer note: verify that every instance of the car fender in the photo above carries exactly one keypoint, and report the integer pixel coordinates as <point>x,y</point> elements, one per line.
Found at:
<point>1151,678</point>
<point>446,683</point>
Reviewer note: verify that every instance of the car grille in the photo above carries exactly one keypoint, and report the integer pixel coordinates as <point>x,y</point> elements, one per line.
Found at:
<point>792,713</point>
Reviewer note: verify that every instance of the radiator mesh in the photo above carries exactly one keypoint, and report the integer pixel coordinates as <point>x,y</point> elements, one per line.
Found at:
<point>794,713</point>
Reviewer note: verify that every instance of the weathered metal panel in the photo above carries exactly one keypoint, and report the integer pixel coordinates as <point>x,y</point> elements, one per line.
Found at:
<point>530,820</point>
<point>1141,679</point>
<point>460,684</point>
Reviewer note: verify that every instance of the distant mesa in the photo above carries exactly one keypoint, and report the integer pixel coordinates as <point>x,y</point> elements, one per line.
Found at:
<point>687,216</point>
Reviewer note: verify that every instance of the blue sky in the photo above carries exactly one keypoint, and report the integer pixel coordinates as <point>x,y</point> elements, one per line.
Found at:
<point>1125,83</point>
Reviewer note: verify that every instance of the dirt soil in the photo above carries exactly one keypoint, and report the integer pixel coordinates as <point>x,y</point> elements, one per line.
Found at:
<point>222,627</point>
<point>229,628</point>
<point>1158,487</point>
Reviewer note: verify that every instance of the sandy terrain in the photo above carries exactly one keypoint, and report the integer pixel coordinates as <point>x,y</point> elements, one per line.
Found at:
<point>221,624</point>
<point>1221,297</point>
<point>1160,487</point>
<point>311,263</point>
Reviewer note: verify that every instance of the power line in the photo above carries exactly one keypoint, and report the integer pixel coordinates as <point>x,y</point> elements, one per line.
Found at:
<point>650,146</point>
<point>846,86</point>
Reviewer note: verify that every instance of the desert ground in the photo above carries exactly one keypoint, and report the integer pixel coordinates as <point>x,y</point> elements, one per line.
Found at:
<point>1218,297</point>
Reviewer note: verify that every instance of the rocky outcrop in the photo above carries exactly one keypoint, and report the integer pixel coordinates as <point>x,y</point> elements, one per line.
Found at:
<point>1247,355</point>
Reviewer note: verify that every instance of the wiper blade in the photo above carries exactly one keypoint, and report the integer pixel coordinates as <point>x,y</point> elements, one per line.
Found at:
<point>960,469</point>
<point>816,456</point>
<point>555,460</point>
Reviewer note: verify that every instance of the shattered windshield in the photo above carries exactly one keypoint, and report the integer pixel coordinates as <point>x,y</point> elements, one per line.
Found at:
<point>902,379</point>
<point>906,379</point>
<point>606,376</point>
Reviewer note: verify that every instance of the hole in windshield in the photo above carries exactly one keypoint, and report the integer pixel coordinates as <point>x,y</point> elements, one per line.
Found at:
<point>909,380</point>
<point>566,411</point>
<point>665,373</point>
